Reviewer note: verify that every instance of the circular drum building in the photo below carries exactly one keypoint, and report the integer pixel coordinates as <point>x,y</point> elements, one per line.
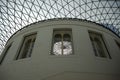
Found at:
<point>62,49</point>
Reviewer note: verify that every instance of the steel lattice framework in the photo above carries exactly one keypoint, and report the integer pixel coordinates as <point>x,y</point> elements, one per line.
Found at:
<point>15,14</point>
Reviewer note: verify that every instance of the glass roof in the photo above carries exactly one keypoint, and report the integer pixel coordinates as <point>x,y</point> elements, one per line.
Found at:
<point>15,14</point>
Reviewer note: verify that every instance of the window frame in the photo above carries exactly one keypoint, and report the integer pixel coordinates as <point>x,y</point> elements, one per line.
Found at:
<point>118,44</point>
<point>20,49</point>
<point>5,52</point>
<point>60,30</point>
<point>104,45</point>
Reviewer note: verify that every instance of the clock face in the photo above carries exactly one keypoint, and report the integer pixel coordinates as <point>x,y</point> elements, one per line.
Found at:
<point>62,49</point>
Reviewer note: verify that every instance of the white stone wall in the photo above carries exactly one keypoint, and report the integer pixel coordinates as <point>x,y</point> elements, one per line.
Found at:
<point>83,64</point>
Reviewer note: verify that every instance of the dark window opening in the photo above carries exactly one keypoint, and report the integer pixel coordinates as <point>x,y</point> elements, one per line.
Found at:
<point>27,47</point>
<point>98,45</point>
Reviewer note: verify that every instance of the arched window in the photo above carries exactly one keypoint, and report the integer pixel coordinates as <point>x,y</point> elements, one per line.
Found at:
<point>62,42</point>
<point>58,38</point>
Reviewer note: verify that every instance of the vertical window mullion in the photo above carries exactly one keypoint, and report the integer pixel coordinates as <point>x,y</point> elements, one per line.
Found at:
<point>62,44</point>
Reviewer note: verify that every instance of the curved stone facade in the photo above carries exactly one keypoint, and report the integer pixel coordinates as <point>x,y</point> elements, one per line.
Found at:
<point>84,61</point>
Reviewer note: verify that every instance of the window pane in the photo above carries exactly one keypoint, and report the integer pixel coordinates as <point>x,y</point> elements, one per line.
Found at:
<point>66,37</point>
<point>99,48</point>
<point>26,48</point>
<point>57,38</point>
<point>67,46</point>
<point>93,45</point>
<point>32,45</point>
<point>57,47</point>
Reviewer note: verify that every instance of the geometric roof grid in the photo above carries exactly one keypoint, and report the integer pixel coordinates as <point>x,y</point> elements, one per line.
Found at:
<point>15,14</point>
